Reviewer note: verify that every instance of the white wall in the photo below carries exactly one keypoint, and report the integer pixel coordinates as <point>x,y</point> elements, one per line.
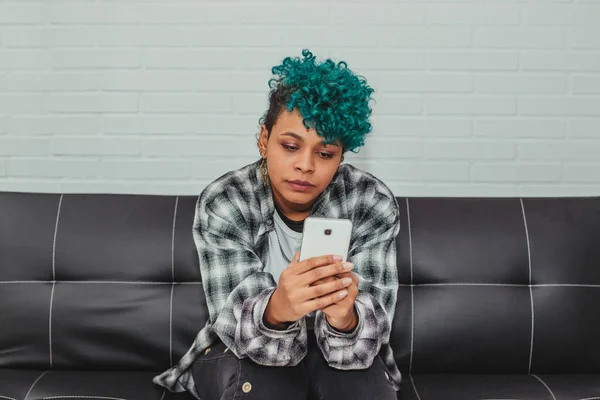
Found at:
<point>474,98</point>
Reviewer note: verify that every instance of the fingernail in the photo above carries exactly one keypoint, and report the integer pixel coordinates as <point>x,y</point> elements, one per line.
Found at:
<point>347,281</point>
<point>343,294</point>
<point>348,266</point>
<point>337,258</point>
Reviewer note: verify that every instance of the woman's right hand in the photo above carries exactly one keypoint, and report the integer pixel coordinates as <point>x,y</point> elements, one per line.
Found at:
<point>295,296</point>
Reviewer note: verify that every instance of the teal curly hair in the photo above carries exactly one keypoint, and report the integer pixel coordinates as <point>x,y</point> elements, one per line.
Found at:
<point>329,96</point>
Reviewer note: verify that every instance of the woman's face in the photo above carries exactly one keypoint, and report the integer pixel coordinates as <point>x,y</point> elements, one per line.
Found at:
<point>300,166</point>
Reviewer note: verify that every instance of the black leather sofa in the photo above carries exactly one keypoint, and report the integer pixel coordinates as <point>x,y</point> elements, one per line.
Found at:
<point>499,298</point>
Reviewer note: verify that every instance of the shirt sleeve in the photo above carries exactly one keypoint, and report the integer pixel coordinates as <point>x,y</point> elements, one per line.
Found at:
<point>373,253</point>
<point>236,288</point>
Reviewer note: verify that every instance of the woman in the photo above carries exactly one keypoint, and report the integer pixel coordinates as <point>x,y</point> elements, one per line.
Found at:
<point>280,328</point>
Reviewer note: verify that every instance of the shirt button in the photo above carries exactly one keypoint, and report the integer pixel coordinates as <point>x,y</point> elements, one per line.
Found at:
<point>247,387</point>
<point>207,351</point>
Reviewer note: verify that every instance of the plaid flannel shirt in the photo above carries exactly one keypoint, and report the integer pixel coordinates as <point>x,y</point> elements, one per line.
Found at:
<point>234,216</point>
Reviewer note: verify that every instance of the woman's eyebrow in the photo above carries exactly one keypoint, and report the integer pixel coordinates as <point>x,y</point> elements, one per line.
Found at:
<point>300,138</point>
<point>294,135</point>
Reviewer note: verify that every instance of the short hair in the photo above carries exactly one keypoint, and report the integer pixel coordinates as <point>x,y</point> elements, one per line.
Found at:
<point>328,95</point>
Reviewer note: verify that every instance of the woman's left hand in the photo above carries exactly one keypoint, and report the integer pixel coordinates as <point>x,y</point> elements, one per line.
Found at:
<point>342,314</point>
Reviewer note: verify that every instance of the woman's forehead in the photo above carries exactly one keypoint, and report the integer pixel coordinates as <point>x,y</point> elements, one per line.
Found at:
<point>290,124</point>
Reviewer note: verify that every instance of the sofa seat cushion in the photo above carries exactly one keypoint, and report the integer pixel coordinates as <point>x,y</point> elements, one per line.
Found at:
<point>494,387</point>
<point>20,384</point>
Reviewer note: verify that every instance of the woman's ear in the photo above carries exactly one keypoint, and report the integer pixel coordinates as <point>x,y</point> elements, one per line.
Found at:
<point>263,140</point>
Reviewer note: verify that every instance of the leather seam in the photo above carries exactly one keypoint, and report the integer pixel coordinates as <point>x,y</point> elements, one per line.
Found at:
<point>83,397</point>
<point>415,387</point>
<point>544,383</point>
<point>173,284</point>
<point>34,383</point>
<point>103,282</point>
<point>530,287</point>
<point>483,284</point>
<point>412,292</point>
<point>53,279</point>
<point>54,239</point>
<point>50,322</point>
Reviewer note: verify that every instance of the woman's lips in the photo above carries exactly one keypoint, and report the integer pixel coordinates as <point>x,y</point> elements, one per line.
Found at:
<point>300,186</point>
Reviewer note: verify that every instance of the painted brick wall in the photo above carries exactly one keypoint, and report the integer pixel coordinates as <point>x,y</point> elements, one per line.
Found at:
<point>474,98</point>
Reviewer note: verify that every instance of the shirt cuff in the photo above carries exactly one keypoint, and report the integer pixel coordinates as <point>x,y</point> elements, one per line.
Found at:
<point>357,349</point>
<point>321,317</point>
<point>258,318</point>
<point>266,346</point>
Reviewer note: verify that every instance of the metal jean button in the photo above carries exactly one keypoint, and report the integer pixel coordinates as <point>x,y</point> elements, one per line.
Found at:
<point>246,387</point>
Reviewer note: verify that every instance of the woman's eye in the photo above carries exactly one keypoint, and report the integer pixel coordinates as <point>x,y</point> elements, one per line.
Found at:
<point>290,148</point>
<point>326,155</point>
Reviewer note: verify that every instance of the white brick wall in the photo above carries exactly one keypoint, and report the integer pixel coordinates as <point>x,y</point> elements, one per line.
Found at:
<point>474,98</point>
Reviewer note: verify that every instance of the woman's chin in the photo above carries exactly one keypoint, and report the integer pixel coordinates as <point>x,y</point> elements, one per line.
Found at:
<point>299,198</point>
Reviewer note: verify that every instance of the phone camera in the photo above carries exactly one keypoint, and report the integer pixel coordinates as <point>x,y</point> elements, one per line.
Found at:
<point>327,232</point>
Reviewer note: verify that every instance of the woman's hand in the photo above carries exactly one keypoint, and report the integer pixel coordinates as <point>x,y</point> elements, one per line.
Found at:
<point>342,314</point>
<point>296,295</point>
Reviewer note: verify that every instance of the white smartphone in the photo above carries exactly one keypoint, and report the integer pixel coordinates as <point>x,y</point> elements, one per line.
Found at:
<point>323,236</point>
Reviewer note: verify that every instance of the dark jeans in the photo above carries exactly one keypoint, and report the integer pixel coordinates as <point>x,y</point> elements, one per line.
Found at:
<point>220,375</point>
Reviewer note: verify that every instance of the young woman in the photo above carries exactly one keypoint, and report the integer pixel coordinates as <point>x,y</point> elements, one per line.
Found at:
<point>279,328</point>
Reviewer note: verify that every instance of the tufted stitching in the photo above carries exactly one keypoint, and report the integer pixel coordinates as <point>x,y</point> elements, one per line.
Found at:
<point>50,322</point>
<point>544,383</point>
<point>505,284</point>
<point>414,387</point>
<point>173,283</point>
<point>54,239</point>
<point>115,282</point>
<point>565,285</point>
<point>84,397</point>
<point>412,291</point>
<point>173,240</point>
<point>53,278</point>
<point>171,325</point>
<point>569,285</point>
<point>468,284</point>
<point>34,383</point>
<point>530,287</point>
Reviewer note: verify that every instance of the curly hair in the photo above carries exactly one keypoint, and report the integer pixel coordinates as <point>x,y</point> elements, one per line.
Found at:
<point>330,98</point>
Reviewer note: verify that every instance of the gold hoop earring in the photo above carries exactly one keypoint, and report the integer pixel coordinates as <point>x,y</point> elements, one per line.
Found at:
<point>264,172</point>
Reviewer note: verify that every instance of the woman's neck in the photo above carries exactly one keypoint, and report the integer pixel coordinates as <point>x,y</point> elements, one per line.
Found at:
<point>295,212</point>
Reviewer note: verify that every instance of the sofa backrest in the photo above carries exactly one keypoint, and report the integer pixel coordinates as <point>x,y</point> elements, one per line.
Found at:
<point>498,285</point>
<point>97,281</point>
<point>485,285</point>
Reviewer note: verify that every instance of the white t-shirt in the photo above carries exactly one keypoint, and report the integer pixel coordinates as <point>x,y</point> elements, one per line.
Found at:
<point>290,241</point>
